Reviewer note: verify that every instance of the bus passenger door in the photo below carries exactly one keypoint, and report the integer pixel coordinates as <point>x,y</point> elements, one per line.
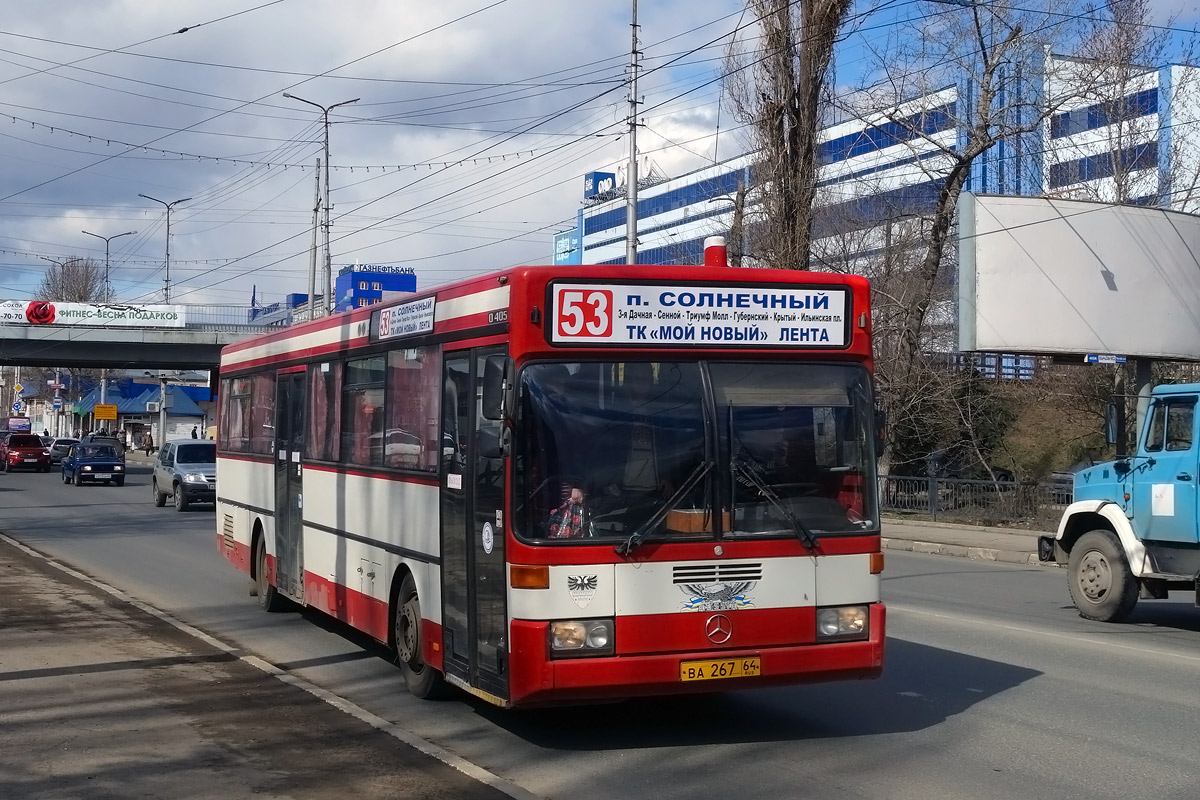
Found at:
<point>289,498</point>
<point>475,613</point>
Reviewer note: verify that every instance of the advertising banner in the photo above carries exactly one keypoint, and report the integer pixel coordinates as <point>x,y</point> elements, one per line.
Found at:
<point>699,316</point>
<point>91,315</point>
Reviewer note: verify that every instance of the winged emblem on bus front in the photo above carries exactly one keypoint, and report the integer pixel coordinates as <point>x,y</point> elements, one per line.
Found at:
<point>718,596</point>
<point>582,588</point>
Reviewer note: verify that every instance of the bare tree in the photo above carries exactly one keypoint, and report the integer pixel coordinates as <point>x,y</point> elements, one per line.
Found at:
<point>75,280</point>
<point>777,88</point>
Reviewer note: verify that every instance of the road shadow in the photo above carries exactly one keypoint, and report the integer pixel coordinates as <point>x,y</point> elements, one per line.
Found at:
<point>921,687</point>
<point>1147,614</point>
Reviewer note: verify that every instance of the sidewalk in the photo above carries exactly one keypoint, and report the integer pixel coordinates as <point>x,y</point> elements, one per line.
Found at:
<point>1009,545</point>
<point>100,699</point>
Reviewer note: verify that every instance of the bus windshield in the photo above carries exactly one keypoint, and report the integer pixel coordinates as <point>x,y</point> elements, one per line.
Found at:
<point>612,450</point>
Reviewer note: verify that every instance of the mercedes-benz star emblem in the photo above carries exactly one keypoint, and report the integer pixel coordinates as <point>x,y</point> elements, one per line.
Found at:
<point>718,629</point>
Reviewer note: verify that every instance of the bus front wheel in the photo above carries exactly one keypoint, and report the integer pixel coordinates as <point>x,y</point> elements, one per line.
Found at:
<point>1102,585</point>
<point>422,680</point>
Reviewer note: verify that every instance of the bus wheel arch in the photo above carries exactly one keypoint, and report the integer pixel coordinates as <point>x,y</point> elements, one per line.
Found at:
<point>406,638</point>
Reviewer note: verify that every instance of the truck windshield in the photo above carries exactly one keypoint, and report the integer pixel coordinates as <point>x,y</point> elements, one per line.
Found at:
<point>609,450</point>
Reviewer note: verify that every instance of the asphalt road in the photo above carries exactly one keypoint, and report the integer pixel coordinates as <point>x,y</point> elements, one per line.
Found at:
<point>993,686</point>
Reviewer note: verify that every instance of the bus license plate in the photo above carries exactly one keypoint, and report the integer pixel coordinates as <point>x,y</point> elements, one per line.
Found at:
<point>722,668</point>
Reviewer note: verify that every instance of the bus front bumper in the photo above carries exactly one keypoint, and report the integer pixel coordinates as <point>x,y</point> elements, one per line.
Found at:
<point>538,680</point>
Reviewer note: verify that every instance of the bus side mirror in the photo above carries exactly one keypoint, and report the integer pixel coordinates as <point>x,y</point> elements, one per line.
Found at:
<point>497,382</point>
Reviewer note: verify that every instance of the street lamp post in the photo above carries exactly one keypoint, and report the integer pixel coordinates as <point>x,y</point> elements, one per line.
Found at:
<point>107,239</point>
<point>167,278</point>
<point>163,378</point>
<point>328,258</point>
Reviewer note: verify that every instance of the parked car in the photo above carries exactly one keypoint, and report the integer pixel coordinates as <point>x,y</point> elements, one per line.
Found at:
<point>25,451</point>
<point>59,448</point>
<point>93,463</point>
<point>187,471</point>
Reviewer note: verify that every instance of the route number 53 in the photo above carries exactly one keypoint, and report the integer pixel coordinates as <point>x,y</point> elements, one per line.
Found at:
<point>584,312</point>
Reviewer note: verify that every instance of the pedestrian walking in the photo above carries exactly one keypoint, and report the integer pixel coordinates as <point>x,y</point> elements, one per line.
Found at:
<point>195,432</point>
<point>149,443</point>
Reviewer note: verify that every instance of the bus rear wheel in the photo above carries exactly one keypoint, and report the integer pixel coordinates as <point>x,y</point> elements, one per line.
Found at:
<point>422,680</point>
<point>269,597</point>
<point>1102,585</point>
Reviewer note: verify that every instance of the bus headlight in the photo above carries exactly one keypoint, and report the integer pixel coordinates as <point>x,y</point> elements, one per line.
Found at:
<point>581,637</point>
<point>842,623</point>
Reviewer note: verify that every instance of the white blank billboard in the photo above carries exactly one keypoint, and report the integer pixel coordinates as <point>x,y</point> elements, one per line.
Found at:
<point>1041,275</point>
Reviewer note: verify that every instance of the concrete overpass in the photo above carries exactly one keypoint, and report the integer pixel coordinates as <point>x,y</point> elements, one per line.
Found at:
<point>194,345</point>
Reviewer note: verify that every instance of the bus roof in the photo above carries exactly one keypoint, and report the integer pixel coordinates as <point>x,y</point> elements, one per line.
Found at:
<point>516,303</point>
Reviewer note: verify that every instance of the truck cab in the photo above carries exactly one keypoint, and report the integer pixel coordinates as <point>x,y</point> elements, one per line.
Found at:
<point>1133,529</point>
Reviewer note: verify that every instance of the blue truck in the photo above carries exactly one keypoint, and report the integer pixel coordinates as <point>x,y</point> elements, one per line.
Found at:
<point>1133,529</point>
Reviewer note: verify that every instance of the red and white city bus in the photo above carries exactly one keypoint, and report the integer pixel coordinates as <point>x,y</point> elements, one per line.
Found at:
<point>561,484</point>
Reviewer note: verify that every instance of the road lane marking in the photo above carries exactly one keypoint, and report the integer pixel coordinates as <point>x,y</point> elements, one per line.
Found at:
<point>386,726</point>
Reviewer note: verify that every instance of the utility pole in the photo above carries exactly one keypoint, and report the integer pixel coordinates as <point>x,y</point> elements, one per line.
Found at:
<point>107,239</point>
<point>167,278</point>
<point>312,259</point>
<point>328,258</point>
<point>631,178</point>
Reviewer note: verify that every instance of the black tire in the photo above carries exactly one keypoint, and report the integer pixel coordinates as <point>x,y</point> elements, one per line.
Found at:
<point>77,480</point>
<point>66,478</point>
<point>160,499</point>
<point>119,481</point>
<point>180,499</point>
<point>422,680</point>
<point>1102,586</point>
<point>269,598</point>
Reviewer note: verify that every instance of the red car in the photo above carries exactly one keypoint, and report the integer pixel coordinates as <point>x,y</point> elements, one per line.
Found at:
<point>25,451</point>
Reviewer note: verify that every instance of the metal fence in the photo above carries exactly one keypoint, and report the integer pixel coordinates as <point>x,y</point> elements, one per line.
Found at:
<point>1007,503</point>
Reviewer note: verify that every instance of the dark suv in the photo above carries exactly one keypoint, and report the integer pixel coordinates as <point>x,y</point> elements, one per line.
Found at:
<point>25,451</point>
<point>187,471</point>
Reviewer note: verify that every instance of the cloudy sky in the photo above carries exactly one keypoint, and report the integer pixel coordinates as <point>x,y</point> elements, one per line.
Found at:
<point>474,123</point>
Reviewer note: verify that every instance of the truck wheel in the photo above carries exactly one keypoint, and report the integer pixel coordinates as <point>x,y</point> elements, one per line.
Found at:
<point>422,680</point>
<point>1102,586</point>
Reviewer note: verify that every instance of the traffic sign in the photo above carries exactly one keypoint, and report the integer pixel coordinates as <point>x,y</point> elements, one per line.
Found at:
<point>18,388</point>
<point>17,406</point>
<point>58,403</point>
<point>106,412</point>
<point>1103,358</point>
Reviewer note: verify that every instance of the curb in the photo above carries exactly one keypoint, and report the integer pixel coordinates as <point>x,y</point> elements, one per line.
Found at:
<point>916,523</point>
<point>962,551</point>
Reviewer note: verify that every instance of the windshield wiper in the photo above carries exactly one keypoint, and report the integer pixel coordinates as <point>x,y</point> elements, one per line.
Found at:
<point>753,473</point>
<point>638,536</point>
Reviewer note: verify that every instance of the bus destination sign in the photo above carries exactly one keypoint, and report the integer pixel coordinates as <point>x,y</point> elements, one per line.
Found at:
<point>405,320</point>
<point>699,316</point>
